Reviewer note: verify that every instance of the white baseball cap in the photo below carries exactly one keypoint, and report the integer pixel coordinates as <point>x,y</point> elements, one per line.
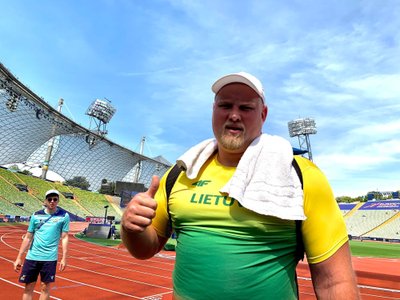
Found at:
<point>241,77</point>
<point>51,192</point>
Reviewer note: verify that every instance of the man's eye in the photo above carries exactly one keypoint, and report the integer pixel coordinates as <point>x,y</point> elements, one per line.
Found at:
<point>247,108</point>
<point>224,105</point>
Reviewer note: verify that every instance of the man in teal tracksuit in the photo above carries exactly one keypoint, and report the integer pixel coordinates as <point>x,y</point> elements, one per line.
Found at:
<point>42,238</point>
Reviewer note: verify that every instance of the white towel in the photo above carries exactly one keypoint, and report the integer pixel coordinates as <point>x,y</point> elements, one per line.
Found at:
<point>264,180</point>
<point>193,159</point>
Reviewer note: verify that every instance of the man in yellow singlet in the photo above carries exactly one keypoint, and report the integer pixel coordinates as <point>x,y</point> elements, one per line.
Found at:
<point>233,247</point>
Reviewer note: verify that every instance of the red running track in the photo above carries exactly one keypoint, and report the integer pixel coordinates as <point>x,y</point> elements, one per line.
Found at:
<point>95,272</point>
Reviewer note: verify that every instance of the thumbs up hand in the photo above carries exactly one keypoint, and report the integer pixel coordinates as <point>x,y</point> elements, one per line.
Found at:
<point>141,210</point>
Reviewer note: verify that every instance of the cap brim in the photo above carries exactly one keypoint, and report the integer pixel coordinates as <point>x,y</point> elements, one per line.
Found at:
<point>232,78</point>
<point>52,192</point>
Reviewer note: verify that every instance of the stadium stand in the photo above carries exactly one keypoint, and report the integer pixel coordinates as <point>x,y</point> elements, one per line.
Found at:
<point>94,203</point>
<point>373,219</point>
<point>345,208</point>
<point>8,208</point>
<point>11,194</point>
<point>85,203</point>
<point>389,230</point>
<point>38,188</point>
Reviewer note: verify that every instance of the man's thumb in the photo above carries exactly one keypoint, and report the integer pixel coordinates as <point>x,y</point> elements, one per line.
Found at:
<point>155,183</point>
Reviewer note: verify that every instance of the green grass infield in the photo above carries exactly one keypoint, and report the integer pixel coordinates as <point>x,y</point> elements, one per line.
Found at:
<point>375,249</point>
<point>101,242</point>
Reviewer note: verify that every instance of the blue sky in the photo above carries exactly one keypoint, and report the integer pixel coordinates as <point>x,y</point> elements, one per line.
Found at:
<point>335,61</point>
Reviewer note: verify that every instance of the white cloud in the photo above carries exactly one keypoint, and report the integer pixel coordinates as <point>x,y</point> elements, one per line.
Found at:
<point>377,86</point>
<point>377,130</point>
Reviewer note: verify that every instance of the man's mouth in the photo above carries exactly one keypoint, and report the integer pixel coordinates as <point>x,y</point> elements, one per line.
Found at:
<point>233,129</point>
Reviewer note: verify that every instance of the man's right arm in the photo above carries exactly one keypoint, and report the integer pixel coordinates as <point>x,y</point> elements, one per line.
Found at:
<point>137,233</point>
<point>24,246</point>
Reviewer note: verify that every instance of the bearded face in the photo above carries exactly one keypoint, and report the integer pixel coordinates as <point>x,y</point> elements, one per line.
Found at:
<point>238,116</point>
<point>232,137</point>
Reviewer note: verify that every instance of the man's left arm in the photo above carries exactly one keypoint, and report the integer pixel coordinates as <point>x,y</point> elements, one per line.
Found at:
<point>64,245</point>
<point>325,238</point>
<point>334,278</point>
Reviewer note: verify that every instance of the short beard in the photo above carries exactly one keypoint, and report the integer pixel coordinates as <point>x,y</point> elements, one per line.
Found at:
<point>229,142</point>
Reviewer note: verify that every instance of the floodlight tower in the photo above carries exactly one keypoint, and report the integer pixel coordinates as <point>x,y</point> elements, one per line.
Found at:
<point>302,128</point>
<point>100,112</point>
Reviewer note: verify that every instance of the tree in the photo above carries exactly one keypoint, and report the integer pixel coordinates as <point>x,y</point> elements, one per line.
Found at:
<point>347,199</point>
<point>79,182</point>
<point>344,199</point>
<point>26,172</point>
<point>361,199</point>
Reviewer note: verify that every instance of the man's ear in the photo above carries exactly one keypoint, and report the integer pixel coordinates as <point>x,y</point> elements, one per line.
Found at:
<point>264,113</point>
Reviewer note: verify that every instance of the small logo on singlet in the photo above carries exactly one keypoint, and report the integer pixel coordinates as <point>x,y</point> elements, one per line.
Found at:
<point>22,277</point>
<point>201,182</point>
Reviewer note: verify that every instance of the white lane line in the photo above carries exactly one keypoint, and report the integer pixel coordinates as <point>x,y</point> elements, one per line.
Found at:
<point>148,264</point>
<point>88,270</point>
<point>166,256</point>
<point>378,288</point>
<point>5,243</point>
<point>363,286</point>
<point>99,288</point>
<point>156,296</point>
<point>378,296</point>
<point>119,252</point>
<point>121,278</point>
<point>22,287</point>
<point>120,268</point>
<point>81,283</point>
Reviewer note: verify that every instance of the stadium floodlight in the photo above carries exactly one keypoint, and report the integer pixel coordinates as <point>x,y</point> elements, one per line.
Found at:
<point>302,128</point>
<point>12,102</point>
<point>101,112</point>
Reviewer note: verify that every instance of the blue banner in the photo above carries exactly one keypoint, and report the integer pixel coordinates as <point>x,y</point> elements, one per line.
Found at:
<point>389,204</point>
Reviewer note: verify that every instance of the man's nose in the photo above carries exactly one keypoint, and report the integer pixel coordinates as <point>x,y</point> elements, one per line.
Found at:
<point>234,115</point>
